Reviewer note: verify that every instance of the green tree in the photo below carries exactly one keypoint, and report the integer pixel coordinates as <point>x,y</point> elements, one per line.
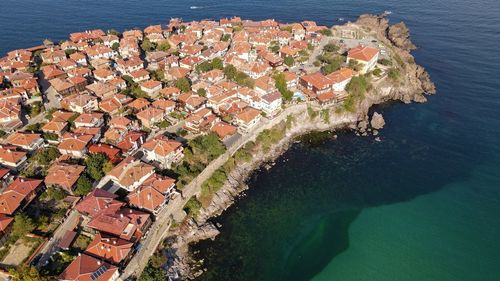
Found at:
<point>115,47</point>
<point>163,46</point>
<point>158,260</point>
<point>45,156</point>
<point>230,71</point>
<point>69,52</point>
<point>26,272</point>
<point>357,86</point>
<point>147,45</point>
<point>217,64</point>
<point>83,186</point>
<point>203,67</point>
<point>354,65</point>
<point>384,62</point>
<point>56,193</point>
<point>289,61</point>
<point>152,274</point>
<point>50,136</point>
<point>274,48</point>
<point>36,127</point>
<point>2,133</point>
<point>202,92</point>
<point>192,207</point>
<point>158,74</point>
<point>183,84</point>
<point>326,32</point>
<point>107,167</point>
<point>23,225</point>
<point>95,163</point>
<point>334,64</point>
<point>226,37</point>
<point>280,83</point>
<point>330,47</point>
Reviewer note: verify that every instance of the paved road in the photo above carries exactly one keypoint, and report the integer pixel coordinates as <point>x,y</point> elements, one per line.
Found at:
<point>51,246</point>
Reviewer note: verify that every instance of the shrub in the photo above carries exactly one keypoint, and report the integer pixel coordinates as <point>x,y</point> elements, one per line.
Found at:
<point>312,113</point>
<point>325,114</point>
<point>192,207</point>
<point>357,86</point>
<point>289,121</point>
<point>385,62</point>
<point>394,74</point>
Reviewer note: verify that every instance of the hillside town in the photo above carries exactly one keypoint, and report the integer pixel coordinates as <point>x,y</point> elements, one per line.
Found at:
<point>100,132</point>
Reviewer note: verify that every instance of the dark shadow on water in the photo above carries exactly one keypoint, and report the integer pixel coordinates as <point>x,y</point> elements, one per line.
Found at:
<point>330,238</point>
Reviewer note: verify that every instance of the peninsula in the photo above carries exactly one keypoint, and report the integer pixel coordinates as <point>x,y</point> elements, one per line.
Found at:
<point>117,147</point>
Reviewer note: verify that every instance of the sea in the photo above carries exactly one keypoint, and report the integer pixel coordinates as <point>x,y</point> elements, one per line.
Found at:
<point>422,204</point>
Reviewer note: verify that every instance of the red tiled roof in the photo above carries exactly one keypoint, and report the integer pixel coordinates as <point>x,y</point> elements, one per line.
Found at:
<point>15,193</point>
<point>97,201</point>
<point>5,222</point>
<point>109,248</point>
<point>87,268</point>
<point>362,53</point>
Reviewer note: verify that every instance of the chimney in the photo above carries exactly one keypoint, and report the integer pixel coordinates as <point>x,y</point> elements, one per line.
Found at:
<point>121,216</point>
<point>114,242</point>
<point>99,262</point>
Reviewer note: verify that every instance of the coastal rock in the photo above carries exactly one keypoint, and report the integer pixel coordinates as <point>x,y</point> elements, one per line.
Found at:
<point>362,126</point>
<point>400,36</point>
<point>377,23</point>
<point>375,132</point>
<point>377,121</point>
<point>425,80</point>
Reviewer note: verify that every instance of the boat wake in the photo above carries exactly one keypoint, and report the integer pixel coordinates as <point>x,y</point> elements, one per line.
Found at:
<point>195,7</point>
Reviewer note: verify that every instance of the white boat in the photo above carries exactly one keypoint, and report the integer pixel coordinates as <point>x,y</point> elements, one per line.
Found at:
<point>340,19</point>
<point>194,7</point>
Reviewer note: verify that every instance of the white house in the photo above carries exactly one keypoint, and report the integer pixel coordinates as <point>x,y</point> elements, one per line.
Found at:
<point>366,56</point>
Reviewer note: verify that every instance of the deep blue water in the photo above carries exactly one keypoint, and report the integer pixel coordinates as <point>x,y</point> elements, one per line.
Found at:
<point>424,204</point>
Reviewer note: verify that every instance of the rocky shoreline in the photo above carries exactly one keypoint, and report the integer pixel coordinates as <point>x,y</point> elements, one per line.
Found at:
<point>415,85</point>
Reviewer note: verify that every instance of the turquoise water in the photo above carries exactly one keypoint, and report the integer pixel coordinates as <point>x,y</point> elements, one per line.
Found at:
<point>423,204</point>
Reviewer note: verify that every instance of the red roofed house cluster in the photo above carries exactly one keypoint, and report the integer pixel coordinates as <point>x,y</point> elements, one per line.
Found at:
<point>136,99</point>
